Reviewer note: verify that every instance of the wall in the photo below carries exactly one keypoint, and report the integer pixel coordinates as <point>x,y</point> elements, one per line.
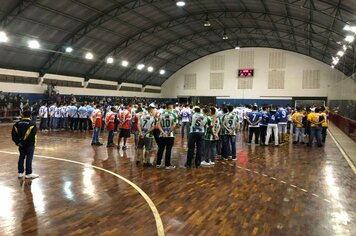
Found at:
<point>291,63</point>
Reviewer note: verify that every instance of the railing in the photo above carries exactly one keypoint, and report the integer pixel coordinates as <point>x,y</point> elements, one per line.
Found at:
<point>347,125</point>
<point>9,113</point>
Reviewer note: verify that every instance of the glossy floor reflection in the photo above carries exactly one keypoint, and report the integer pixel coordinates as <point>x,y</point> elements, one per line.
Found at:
<point>290,190</point>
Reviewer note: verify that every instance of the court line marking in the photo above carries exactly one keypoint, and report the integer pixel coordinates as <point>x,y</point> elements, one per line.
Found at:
<point>159,224</point>
<point>344,154</point>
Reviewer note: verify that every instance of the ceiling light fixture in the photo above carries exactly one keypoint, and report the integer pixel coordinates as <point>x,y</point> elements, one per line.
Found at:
<point>89,56</point>
<point>344,47</point>
<point>140,66</point>
<point>340,53</point>
<point>109,60</point>
<point>69,49</point>
<point>349,38</point>
<point>225,37</point>
<point>162,72</point>
<point>124,63</point>
<point>237,48</point>
<point>180,3</point>
<point>3,37</point>
<point>332,67</point>
<point>150,69</point>
<point>34,44</point>
<point>350,28</point>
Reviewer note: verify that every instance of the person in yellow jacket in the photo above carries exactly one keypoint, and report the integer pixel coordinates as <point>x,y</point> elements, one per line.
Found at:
<point>325,124</point>
<point>315,119</point>
<point>297,118</point>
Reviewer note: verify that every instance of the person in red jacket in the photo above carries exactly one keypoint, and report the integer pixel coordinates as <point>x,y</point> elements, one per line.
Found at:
<point>96,118</point>
<point>125,124</point>
<point>110,126</point>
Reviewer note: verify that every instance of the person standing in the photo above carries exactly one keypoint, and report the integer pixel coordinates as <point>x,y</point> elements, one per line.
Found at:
<point>185,113</point>
<point>315,119</point>
<point>57,117</point>
<point>325,124</point>
<point>282,117</point>
<point>196,136</point>
<point>254,118</point>
<point>110,126</point>
<point>90,110</point>
<point>24,135</point>
<point>272,127</point>
<point>125,125</point>
<point>51,112</point>
<point>96,119</point>
<point>44,118</point>
<point>74,117</point>
<point>211,136</point>
<point>135,121</point>
<point>263,125</point>
<point>83,117</point>
<point>35,110</point>
<point>297,118</point>
<point>166,125</point>
<point>230,123</point>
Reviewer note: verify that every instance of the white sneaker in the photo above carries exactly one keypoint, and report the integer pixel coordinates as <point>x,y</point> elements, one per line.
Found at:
<point>212,163</point>
<point>170,167</point>
<point>158,166</point>
<point>31,176</point>
<point>21,175</point>
<point>204,163</point>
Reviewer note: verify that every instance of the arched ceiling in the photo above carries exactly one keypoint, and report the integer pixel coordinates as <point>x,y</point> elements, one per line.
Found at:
<point>164,36</point>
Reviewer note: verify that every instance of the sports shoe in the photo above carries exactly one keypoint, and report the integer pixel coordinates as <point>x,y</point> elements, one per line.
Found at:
<point>234,158</point>
<point>124,147</point>
<point>212,163</point>
<point>21,175</point>
<point>31,176</point>
<point>99,144</point>
<point>170,167</point>
<point>158,166</point>
<point>204,163</point>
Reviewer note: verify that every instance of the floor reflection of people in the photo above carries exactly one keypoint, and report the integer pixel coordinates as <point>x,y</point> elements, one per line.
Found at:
<point>29,218</point>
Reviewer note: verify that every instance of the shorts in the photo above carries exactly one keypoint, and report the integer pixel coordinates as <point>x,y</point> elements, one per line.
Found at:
<point>145,142</point>
<point>124,133</point>
<point>282,128</point>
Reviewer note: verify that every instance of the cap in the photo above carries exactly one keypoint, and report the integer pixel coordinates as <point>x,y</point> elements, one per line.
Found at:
<point>152,105</point>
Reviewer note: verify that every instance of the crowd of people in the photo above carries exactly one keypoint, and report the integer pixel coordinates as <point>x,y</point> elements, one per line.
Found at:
<point>208,126</point>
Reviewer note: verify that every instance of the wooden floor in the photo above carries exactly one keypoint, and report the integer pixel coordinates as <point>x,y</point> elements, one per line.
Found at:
<point>290,190</point>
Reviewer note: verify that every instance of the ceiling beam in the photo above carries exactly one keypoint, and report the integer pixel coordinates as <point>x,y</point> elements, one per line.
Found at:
<point>14,12</point>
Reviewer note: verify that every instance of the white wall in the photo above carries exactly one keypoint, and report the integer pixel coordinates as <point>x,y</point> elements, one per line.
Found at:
<point>295,64</point>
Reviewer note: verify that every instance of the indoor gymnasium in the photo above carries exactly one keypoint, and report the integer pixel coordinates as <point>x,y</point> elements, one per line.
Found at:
<point>167,117</point>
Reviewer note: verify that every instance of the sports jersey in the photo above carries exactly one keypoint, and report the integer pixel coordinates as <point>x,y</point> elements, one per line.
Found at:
<point>199,121</point>
<point>326,120</point>
<point>73,112</point>
<point>313,118</point>
<point>110,120</point>
<point>176,111</point>
<point>166,120</point>
<point>156,115</point>
<point>282,116</point>
<point>230,121</point>
<point>82,112</point>
<point>96,118</point>
<point>64,112</point>
<point>185,114</point>
<point>125,118</point>
<point>147,122</point>
<point>298,119</point>
<point>90,110</point>
<point>213,125</point>
<point>264,115</point>
<point>254,116</point>
<point>51,110</point>
<point>43,112</point>
<point>57,112</point>
<point>272,118</point>
<point>136,119</point>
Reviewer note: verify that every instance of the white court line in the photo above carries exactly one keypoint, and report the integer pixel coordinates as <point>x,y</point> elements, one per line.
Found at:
<point>159,224</point>
<point>351,164</point>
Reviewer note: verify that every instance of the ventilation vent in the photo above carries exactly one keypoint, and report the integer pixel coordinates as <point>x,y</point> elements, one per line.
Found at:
<point>102,86</point>
<point>217,62</point>
<point>246,59</point>
<point>311,79</point>
<point>276,79</point>
<point>63,83</point>
<point>148,90</point>
<point>18,79</point>
<point>245,83</point>
<point>216,80</point>
<point>190,81</point>
<point>130,89</point>
<point>277,60</point>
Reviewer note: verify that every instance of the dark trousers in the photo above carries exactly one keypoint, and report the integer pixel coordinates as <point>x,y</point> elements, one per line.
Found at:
<point>26,152</point>
<point>263,133</point>
<point>185,127</point>
<point>156,134</point>
<point>74,124</point>
<point>210,150</point>
<point>83,124</point>
<point>195,140</point>
<point>251,131</point>
<point>90,125</point>
<point>229,146</point>
<point>164,143</point>
<point>44,123</point>
<point>323,133</point>
<point>111,137</point>
<point>315,132</point>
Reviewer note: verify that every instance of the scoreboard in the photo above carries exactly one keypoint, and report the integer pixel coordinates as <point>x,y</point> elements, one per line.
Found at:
<point>245,73</point>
